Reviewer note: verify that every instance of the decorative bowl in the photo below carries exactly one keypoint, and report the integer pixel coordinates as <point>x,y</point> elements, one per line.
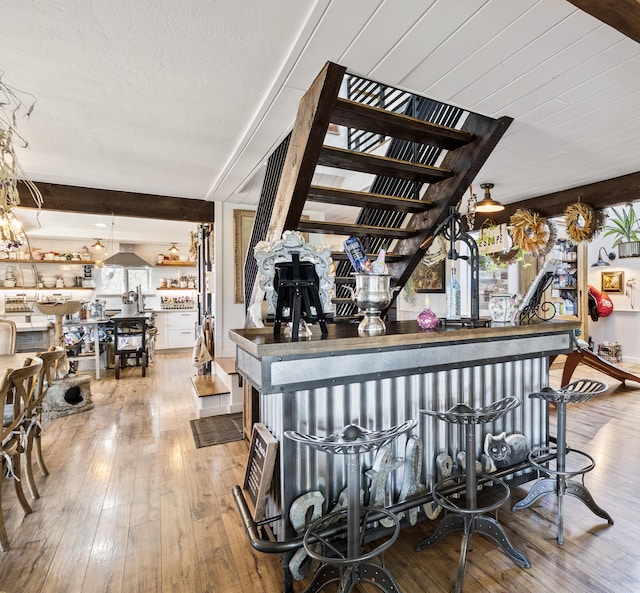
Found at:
<point>62,308</point>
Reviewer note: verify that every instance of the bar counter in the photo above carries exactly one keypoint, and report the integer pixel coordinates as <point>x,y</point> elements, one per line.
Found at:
<point>320,384</point>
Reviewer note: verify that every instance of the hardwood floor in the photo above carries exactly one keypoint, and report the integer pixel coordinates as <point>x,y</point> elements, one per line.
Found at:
<point>131,506</point>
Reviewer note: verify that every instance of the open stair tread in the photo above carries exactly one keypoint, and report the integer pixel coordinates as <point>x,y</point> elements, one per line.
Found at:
<point>389,257</point>
<point>357,230</point>
<point>360,199</point>
<point>342,158</point>
<point>389,123</point>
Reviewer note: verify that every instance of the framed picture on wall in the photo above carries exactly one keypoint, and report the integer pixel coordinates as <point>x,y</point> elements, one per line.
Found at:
<point>612,281</point>
<point>429,278</point>
<point>242,227</point>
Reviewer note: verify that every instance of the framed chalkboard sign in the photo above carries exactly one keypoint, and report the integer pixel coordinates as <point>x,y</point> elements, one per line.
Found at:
<point>260,465</point>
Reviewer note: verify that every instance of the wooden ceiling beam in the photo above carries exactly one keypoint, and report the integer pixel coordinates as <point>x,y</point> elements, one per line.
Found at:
<point>622,15</point>
<point>68,198</point>
<point>603,194</point>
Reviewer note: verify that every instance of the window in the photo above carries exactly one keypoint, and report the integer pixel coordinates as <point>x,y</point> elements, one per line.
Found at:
<point>121,280</point>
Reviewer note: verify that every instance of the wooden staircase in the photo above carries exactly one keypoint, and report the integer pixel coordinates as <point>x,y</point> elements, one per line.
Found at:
<point>404,216</point>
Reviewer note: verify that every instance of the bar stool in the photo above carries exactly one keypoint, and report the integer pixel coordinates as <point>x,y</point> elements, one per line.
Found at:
<point>353,566</point>
<point>558,480</point>
<point>470,518</point>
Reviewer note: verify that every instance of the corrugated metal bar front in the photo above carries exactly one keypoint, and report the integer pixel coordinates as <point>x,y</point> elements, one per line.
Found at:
<point>384,403</point>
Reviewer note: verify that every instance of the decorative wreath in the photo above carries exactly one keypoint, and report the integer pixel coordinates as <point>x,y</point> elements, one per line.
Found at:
<point>504,258</point>
<point>582,222</point>
<point>532,233</point>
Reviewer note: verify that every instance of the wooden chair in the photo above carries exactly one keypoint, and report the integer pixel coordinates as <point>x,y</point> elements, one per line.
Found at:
<point>16,396</point>
<point>7,336</point>
<point>33,421</point>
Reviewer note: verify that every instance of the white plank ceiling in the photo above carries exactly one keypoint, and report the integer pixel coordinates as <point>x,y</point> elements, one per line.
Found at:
<point>188,99</point>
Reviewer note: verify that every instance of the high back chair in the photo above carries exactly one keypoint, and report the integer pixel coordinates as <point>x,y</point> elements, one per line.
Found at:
<point>51,362</point>
<point>16,396</point>
<point>7,336</point>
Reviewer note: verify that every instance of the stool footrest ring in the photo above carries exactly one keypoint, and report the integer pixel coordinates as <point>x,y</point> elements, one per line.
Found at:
<point>340,559</point>
<point>439,493</point>
<point>540,456</point>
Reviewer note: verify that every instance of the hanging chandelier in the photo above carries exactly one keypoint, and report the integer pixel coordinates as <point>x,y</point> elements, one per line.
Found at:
<point>12,107</point>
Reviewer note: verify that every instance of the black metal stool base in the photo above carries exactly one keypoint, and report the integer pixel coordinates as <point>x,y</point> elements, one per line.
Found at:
<point>471,521</point>
<point>471,517</point>
<point>560,487</point>
<point>350,576</point>
<point>352,565</point>
<point>558,478</point>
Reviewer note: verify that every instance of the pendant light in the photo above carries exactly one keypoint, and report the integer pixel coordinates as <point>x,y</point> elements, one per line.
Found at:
<point>488,204</point>
<point>173,249</point>
<point>97,245</point>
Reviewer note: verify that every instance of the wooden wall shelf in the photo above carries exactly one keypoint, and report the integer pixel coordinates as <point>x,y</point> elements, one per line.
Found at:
<point>177,264</point>
<point>76,262</point>
<point>173,288</point>
<point>33,288</point>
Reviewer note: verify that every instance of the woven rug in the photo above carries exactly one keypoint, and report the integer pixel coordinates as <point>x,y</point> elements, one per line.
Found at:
<point>214,430</point>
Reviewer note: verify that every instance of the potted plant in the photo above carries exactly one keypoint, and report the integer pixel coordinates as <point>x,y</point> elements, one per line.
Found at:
<point>624,225</point>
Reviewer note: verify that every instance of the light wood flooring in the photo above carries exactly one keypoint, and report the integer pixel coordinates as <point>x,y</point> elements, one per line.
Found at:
<point>131,506</point>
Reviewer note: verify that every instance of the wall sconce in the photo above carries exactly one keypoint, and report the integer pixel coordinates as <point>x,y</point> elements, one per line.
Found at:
<point>600,262</point>
<point>487,204</point>
<point>97,245</point>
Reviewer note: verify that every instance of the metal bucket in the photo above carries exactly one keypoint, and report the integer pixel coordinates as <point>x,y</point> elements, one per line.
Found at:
<point>372,295</point>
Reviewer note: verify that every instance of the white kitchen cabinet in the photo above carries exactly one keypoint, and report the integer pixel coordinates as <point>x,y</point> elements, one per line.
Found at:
<point>176,329</point>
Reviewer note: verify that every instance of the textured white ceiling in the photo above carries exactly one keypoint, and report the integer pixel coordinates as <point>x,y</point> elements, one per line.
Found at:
<point>188,99</point>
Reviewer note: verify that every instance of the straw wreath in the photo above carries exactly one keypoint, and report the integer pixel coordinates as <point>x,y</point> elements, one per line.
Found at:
<point>582,222</point>
<point>532,233</point>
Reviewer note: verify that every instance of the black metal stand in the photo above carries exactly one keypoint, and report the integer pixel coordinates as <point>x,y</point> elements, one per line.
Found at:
<point>471,518</point>
<point>297,288</point>
<point>535,306</point>
<point>354,566</point>
<point>451,229</point>
<point>559,480</point>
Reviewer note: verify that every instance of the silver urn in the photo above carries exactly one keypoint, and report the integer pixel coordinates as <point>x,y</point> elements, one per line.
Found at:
<point>372,295</point>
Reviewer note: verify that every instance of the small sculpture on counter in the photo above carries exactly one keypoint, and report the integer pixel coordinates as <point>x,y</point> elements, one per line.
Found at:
<point>427,319</point>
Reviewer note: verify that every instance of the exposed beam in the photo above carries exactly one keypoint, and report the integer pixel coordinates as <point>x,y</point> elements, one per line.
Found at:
<point>622,15</point>
<point>602,194</point>
<point>68,198</point>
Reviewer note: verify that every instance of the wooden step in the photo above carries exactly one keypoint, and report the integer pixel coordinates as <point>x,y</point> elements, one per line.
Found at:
<point>345,280</point>
<point>342,301</point>
<point>389,257</point>
<point>381,165</point>
<point>388,123</point>
<point>355,230</point>
<point>208,385</point>
<point>227,365</point>
<point>360,199</point>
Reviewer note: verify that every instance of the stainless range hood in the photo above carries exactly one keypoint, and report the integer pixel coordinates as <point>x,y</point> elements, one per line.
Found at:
<point>126,258</point>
